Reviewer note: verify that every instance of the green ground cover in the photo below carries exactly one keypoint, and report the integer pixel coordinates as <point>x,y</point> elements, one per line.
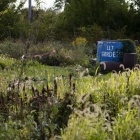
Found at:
<point>37,102</point>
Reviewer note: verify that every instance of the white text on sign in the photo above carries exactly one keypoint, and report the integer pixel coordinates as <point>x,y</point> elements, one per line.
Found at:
<point>109,54</point>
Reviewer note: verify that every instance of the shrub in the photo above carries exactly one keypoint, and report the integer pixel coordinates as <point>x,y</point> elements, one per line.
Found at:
<point>128,47</point>
<point>56,53</point>
<point>93,33</point>
<point>79,42</point>
<point>12,49</point>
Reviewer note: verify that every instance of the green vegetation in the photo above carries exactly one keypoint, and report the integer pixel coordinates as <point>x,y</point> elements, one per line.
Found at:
<point>128,46</point>
<point>138,54</point>
<point>51,86</point>
<point>91,19</point>
<point>36,105</point>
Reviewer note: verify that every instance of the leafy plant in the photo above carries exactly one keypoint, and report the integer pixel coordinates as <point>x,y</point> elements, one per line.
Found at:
<point>50,103</point>
<point>128,46</point>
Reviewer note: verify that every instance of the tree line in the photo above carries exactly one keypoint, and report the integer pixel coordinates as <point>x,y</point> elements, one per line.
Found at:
<point>68,19</point>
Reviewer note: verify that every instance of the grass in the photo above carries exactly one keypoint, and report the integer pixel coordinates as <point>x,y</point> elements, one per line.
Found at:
<point>117,119</point>
<point>90,107</point>
<point>12,70</point>
<point>5,61</point>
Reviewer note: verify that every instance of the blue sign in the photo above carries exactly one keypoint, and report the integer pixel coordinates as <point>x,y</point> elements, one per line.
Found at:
<point>108,50</point>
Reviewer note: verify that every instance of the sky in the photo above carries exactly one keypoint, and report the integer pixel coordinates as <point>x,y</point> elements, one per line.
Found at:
<point>45,4</point>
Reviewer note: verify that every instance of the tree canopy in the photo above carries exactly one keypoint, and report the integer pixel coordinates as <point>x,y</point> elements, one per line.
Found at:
<point>113,15</point>
<point>104,18</point>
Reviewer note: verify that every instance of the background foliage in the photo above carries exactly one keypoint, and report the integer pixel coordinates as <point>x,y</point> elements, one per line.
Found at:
<point>91,19</point>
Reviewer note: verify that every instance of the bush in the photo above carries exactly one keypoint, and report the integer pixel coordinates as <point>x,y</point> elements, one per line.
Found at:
<point>56,53</point>
<point>79,42</point>
<point>50,53</point>
<point>12,49</point>
<point>128,47</point>
<point>93,33</point>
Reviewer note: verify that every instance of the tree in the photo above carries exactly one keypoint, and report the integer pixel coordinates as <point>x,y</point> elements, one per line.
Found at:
<point>4,4</point>
<point>134,19</point>
<point>109,14</point>
<point>137,5</point>
<point>9,16</point>
<point>59,4</point>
